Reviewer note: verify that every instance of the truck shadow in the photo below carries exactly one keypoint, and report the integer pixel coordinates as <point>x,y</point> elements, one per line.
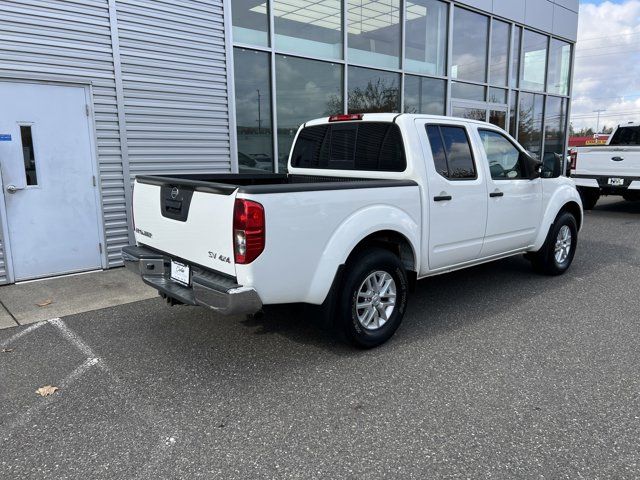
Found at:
<point>451,301</point>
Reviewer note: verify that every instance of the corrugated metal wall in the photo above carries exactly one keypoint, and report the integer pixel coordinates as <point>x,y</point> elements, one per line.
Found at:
<point>175,90</point>
<point>168,111</point>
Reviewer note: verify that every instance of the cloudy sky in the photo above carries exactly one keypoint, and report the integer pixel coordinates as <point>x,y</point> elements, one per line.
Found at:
<point>607,72</point>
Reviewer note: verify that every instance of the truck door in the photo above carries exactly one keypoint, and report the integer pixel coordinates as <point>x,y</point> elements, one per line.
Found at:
<point>457,202</point>
<point>515,201</point>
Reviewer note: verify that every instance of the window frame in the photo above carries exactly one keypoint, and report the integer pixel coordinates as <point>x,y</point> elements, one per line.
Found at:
<point>36,155</point>
<point>473,156</point>
<point>515,145</point>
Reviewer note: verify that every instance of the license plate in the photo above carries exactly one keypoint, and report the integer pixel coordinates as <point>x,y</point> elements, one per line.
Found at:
<point>180,272</point>
<point>616,181</point>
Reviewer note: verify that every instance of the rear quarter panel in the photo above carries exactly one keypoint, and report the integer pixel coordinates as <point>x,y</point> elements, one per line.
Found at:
<point>310,234</point>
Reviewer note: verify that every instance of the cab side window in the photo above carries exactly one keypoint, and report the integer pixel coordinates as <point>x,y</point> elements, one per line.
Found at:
<point>452,154</point>
<point>503,156</point>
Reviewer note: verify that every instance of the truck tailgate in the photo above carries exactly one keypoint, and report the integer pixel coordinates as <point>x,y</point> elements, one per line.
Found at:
<point>608,161</point>
<point>191,224</point>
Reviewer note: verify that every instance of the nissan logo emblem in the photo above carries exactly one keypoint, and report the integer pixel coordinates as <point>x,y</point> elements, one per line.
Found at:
<point>174,193</point>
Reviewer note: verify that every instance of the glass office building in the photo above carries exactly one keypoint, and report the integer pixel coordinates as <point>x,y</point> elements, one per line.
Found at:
<point>294,60</point>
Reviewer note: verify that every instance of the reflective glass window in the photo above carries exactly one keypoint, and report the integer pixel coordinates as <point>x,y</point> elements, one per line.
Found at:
<point>499,58</point>
<point>250,22</point>
<point>374,32</point>
<point>426,36</point>
<point>515,56</point>
<point>559,64</point>
<point>497,95</point>
<point>470,35</point>
<point>309,27</point>
<point>305,89</point>
<point>554,128</point>
<point>530,122</point>
<point>467,91</point>
<point>513,111</point>
<point>471,113</point>
<point>373,91</point>
<point>424,95</point>
<point>534,61</point>
<point>253,111</point>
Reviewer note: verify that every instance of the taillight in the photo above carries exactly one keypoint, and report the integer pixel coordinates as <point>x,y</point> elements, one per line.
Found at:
<point>345,118</point>
<point>574,159</point>
<point>248,230</point>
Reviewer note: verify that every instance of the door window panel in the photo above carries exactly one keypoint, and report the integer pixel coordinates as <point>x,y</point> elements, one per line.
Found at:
<point>470,113</point>
<point>452,143</point>
<point>502,155</point>
<point>26,135</point>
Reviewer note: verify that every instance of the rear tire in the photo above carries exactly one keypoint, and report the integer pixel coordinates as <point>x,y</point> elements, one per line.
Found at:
<point>589,197</point>
<point>556,255</point>
<point>372,299</point>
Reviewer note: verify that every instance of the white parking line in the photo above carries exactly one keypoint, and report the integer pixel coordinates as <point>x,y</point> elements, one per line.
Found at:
<point>72,337</point>
<point>24,332</point>
<point>22,418</point>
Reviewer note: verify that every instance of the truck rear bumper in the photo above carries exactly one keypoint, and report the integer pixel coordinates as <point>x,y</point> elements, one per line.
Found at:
<point>601,182</point>
<point>207,289</point>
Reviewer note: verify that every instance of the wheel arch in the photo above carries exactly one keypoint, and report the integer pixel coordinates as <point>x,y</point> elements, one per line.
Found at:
<point>398,232</point>
<point>564,199</point>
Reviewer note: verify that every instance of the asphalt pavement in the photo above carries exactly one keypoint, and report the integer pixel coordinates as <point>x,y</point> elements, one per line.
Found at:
<point>496,372</point>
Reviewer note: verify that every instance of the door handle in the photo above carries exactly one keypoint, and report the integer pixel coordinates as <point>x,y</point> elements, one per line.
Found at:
<point>617,159</point>
<point>442,198</point>
<point>13,188</point>
<point>496,194</point>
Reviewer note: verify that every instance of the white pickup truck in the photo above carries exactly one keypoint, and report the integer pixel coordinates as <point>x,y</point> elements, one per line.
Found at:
<point>611,169</point>
<point>371,203</point>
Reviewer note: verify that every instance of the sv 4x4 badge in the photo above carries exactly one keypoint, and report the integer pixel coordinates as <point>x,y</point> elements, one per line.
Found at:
<point>222,258</point>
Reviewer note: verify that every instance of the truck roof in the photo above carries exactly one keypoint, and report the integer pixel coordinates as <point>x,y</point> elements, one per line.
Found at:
<point>390,117</point>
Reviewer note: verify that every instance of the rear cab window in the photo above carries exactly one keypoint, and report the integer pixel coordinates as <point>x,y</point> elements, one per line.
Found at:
<point>363,146</point>
<point>626,136</point>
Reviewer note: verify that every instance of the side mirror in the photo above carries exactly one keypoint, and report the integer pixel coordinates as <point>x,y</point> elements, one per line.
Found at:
<point>532,166</point>
<point>552,165</point>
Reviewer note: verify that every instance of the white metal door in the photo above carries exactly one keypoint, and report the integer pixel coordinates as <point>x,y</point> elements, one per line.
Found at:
<point>457,211</point>
<point>48,180</point>
<point>515,201</point>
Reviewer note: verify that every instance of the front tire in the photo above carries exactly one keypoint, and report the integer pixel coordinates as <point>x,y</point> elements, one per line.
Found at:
<point>589,197</point>
<point>556,255</point>
<point>373,298</point>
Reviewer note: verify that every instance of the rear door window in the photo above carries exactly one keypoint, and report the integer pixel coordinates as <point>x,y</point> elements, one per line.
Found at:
<point>452,153</point>
<point>366,146</point>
